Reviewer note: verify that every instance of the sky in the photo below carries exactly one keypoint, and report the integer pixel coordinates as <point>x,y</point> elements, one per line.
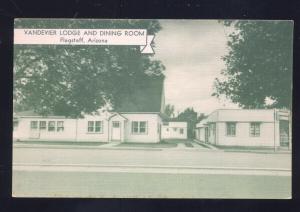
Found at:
<point>191,51</point>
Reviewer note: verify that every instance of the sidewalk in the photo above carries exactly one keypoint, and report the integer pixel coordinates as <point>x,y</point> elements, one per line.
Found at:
<point>80,145</point>
<point>209,146</point>
<point>243,149</point>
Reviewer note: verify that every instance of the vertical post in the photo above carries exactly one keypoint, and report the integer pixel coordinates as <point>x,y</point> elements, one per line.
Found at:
<point>274,130</point>
<point>76,126</point>
<point>290,129</point>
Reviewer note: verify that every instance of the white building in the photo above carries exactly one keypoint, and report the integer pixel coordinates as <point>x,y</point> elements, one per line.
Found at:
<point>138,119</point>
<point>174,130</point>
<point>240,127</point>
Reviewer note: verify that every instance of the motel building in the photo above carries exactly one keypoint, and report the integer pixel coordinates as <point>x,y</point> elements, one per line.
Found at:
<point>269,128</point>
<point>138,118</point>
<point>174,130</point>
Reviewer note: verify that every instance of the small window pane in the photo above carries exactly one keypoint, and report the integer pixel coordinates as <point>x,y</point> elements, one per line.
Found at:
<point>143,126</point>
<point>255,129</point>
<point>16,124</point>
<point>98,126</point>
<point>60,126</point>
<point>33,125</point>
<point>116,124</point>
<point>43,125</point>
<point>231,128</point>
<point>135,127</point>
<point>51,126</point>
<point>181,131</point>
<point>90,126</point>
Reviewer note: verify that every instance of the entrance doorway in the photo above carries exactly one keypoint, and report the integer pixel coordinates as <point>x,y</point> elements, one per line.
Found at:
<point>284,133</point>
<point>116,131</point>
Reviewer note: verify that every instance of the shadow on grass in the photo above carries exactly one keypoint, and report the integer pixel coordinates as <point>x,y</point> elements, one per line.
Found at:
<point>186,142</point>
<point>161,144</point>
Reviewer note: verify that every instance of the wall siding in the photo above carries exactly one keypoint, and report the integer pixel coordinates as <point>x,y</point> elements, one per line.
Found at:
<point>152,135</point>
<point>243,137</point>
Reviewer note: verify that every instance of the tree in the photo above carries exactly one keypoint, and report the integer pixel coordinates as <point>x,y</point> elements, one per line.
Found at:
<point>70,80</point>
<point>258,64</point>
<point>201,117</point>
<point>169,110</point>
<point>189,116</point>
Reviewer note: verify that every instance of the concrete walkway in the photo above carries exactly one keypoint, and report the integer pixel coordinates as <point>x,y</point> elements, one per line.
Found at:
<point>206,145</point>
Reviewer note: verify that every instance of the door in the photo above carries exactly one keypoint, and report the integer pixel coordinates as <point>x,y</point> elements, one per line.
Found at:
<point>34,130</point>
<point>284,133</point>
<point>206,134</point>
<point>116,131</point>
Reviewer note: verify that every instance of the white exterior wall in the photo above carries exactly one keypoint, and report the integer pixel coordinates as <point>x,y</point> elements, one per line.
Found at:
<point>169,132</point>
<point>200,134</point>
<point>153,128</point>
<point>74,130</point>
<point>243,138</point>
<point>77,129</point>
<point>23,131</point>
<point>82,129</point>
<point>269,127</point>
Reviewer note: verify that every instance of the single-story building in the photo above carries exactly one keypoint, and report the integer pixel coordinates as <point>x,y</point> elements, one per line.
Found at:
<point>174,130</point>
<point>243,127</point>
<point>138,119</point>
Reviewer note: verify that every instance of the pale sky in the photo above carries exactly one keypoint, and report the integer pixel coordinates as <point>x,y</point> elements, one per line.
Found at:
<point>191,50</point>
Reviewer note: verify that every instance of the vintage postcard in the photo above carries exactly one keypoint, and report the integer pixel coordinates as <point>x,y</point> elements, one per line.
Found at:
<point>152,108</point>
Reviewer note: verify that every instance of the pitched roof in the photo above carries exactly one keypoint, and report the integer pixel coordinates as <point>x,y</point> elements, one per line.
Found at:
<point>32,113</point>
<point>146,97</point>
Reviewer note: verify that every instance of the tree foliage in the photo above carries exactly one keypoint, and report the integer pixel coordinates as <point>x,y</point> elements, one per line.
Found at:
<point>169,110</point>
<point>70,80</point>
<point>189,116</point>
<point>258,64</point>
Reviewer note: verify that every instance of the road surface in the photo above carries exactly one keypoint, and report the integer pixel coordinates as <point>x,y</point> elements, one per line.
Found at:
<point>153,173</point>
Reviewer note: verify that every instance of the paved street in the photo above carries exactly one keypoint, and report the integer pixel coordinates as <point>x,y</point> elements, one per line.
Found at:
<point>178,173</point>
<point>150,157</point>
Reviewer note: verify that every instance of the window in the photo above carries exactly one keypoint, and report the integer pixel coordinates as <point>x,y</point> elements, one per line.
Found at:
<point>231,128</point>
<point>116,124</point>
<point>139,127</point>
<point>90,126</point>
<point>167,129</point>
<point>98,126</point>
<point>33,125</point>
<point>255,129</point>
<point>175,128</point>
<point>95,126</point>
<point>60,126</point>
<point>43,125</point>
<point>166,123</point>
<point>181,131</point>
<point>51,126</point>
<point>16,124</point>
<point>142,127</point>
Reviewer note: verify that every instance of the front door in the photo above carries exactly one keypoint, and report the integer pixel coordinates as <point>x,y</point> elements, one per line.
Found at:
<point>284,133</point>
<point>206,134</point>
<point>116,131</point>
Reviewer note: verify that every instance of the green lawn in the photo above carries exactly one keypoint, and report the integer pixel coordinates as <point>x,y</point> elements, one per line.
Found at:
<point>187,143</point>
<point>162,144</point>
